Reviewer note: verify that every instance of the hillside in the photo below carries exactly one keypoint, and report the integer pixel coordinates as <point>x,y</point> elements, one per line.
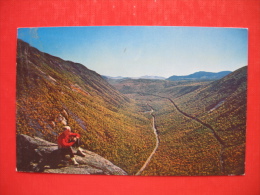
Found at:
<point>151,86</point>
<point>183,127</point>
<point>222,104</point>
<point>201,125</point>
<point>202,75</point>
<point>52,92</point>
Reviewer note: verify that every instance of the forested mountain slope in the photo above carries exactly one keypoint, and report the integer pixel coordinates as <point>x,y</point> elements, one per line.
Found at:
<point>52,92</point>
<point>222,104</point>
<point>201,125</point>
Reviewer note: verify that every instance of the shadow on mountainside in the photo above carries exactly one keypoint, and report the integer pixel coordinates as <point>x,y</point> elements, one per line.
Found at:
<point>38,155</point>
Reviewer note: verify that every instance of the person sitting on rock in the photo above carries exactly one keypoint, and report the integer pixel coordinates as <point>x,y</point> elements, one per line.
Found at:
<point>66,141</point>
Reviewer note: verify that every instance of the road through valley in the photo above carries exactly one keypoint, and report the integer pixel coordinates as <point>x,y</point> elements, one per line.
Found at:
<point>156,145</point>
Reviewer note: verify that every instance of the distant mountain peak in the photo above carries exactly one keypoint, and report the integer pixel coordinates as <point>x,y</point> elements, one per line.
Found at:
<point>152,77</point>
<point>201,75</point>
<point>141,77</point>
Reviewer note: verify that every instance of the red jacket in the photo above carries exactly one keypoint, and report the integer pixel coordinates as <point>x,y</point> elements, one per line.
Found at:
<point>64,137</point>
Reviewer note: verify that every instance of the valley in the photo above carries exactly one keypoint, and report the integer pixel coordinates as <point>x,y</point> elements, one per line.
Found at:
<point>144,126</point>
<point>52,93</point>
<point>201,125</point>
<point>156,145</point>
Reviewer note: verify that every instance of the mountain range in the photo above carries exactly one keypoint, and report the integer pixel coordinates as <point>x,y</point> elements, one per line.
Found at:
<point>202,75</point>
<point>201,123</point>
<point>142,77</point>
<point>197,76</point>
<point>200,120</point>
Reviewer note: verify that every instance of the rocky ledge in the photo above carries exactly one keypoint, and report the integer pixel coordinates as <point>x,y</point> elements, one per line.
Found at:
<point>37,155</point>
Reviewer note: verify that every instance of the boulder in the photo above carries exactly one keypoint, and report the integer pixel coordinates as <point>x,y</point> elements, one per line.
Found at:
<point>37,155</point>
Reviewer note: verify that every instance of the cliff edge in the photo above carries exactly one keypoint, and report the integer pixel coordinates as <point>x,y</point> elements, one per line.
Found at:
<point>37,155</point>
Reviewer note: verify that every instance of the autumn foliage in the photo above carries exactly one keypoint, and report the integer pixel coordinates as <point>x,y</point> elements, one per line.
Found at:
<point>201,124</point>
<point>52,93</point>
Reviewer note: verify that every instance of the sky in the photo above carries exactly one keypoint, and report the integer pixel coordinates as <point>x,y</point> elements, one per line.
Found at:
<point>133,51</point>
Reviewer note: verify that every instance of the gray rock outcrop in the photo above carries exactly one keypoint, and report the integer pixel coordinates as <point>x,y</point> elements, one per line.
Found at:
<point>38,155</point>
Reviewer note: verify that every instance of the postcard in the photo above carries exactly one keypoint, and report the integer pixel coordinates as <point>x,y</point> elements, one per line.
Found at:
<point>132,100</point>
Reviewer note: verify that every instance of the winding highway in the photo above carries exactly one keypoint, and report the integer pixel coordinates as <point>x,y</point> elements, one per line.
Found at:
<point>220,141</point>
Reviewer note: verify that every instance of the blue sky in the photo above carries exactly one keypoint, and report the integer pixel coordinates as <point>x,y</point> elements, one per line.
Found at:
<point>144,50</point>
